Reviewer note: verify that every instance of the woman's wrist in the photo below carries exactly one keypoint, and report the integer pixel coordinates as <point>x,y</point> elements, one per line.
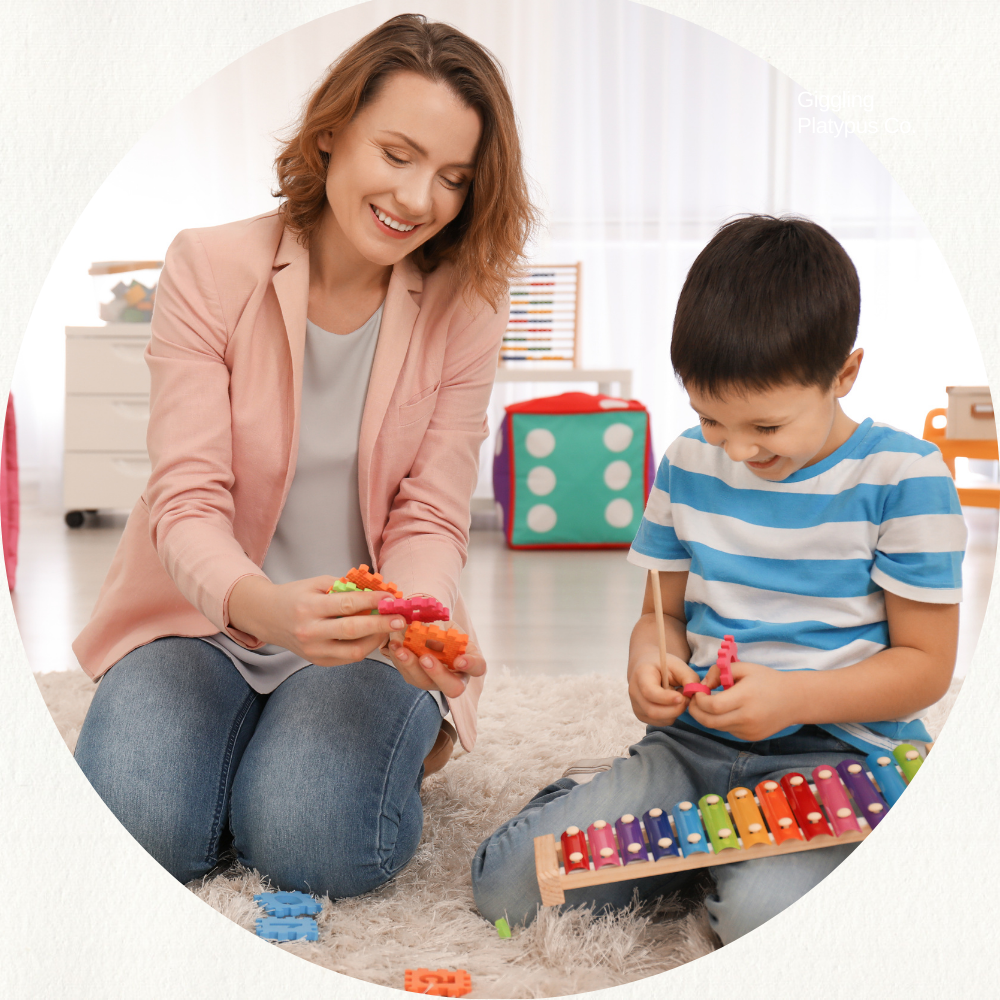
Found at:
<point>248,596</point>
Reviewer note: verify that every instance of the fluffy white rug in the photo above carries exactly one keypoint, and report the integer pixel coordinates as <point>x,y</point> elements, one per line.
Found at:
<point>521,748</point>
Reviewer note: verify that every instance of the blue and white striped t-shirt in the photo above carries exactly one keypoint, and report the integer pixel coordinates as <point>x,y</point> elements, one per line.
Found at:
<point>795,570</point>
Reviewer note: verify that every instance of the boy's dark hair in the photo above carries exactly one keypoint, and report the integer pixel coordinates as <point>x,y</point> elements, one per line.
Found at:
<point>767,302</point>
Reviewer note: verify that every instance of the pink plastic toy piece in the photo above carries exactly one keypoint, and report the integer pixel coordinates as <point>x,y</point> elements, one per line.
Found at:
<point>727,657</point>
<point>603,847</point>
<point>415,609</point>
<point>834,798</point>
<point>690,689</point>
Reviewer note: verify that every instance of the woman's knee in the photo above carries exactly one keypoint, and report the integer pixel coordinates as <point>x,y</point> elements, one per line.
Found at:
<point>300,842</point>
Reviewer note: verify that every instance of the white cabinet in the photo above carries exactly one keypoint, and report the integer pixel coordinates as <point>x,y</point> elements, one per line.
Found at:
<point>107,410</point>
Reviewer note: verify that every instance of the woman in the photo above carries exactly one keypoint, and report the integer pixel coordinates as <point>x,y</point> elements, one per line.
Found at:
<point>319,382</point>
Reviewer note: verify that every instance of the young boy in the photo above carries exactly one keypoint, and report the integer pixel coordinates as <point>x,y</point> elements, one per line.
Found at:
<point>830,550</point>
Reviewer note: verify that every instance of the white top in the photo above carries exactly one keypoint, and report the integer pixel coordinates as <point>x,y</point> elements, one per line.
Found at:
<point>320,531</point>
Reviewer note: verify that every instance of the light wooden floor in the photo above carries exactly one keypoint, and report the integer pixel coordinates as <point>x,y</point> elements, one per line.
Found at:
<point>555,612</point>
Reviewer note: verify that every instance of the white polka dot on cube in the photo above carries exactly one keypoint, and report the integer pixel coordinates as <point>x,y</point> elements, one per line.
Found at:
<point>541,480</point>
<point>619,513</point>
<point>617,475</point>
<point>541,518</point>
<point>617,437</point>
<point>540,442</point>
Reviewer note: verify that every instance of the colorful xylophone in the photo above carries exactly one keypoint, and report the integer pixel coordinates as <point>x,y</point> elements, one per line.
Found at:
<point>777,817</point>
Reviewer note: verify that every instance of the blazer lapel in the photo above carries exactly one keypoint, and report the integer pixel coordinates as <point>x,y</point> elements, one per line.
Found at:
<point>398,319</point>
<point>291,285</point>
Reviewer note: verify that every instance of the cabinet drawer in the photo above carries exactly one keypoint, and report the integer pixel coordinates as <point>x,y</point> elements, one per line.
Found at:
<point>106,364</point>
<point>106,423</point>
<point>95,480</point>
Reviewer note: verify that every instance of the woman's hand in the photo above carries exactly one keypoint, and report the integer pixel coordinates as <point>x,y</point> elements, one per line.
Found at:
<point>326,629</point>
<point>761,701</point>
<point>429,673</point>
<point>652,690</point>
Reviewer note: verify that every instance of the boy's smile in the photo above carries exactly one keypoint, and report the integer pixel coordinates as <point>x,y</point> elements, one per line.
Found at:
<point>776,431</point>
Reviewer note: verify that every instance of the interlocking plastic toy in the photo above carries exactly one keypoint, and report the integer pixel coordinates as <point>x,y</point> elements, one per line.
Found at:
<point>429,640</point>
<point>364,579</point>
<point>440,983</point>
<point>287,904</point>
<point>287,928</point>
<point>503,928</point>
<point>343,587</point>
<point>724,661</point>
<point>416,609</point>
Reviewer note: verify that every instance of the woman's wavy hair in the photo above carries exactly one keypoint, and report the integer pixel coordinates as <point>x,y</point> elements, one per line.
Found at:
<point>485,241</point>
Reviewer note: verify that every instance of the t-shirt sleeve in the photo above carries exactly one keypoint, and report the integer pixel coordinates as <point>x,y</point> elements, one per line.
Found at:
<point>656,545</point>
<point>921,540</point>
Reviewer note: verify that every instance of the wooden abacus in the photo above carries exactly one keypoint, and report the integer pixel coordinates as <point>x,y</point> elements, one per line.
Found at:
<point>850,805</point>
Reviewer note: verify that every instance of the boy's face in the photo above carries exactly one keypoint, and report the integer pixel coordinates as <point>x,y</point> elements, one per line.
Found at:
<point>775,432</point>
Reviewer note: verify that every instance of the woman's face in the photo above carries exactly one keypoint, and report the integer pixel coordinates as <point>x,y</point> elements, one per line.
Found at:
<point>400,171</point>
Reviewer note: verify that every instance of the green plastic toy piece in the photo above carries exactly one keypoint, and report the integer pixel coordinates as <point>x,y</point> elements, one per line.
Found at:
<point>720,827</point>
<point>908,760</point>
<point>503,928</point>
<point>343,587</point>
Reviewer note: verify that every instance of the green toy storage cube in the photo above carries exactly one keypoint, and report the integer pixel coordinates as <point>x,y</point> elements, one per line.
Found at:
<point>573,471</point>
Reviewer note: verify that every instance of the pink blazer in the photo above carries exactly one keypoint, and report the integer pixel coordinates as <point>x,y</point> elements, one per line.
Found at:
<point>225,357</point>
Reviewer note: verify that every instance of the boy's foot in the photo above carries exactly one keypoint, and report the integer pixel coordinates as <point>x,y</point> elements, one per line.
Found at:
<point>584,770</point>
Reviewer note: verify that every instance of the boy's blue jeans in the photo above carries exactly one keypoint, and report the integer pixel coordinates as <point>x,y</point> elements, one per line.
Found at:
<point>317,784</point>
<point>667,766</point>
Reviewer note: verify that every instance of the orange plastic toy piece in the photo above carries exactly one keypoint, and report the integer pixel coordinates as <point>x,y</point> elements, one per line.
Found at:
<point>430,640</point>
<point>440,983</point>
<point>364,579</point>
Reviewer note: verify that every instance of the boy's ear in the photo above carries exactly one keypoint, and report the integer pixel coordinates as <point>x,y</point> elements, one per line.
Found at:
<point>848,373</point>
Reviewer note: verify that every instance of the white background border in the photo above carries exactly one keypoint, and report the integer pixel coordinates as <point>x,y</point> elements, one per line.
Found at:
<point>912,914</point>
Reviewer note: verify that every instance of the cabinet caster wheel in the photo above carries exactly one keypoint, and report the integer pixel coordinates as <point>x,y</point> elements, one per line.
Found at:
<point>74,518</point>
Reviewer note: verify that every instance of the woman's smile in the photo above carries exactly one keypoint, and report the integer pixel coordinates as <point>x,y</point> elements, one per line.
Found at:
<point>392,225</point>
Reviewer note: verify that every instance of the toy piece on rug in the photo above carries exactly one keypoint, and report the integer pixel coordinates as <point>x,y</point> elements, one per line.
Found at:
<point>287,904</point>
<point>287,928</point>
<point>429,640</point>
<point>503,928</point>
<point>440,983</point>
<point>415,609</point>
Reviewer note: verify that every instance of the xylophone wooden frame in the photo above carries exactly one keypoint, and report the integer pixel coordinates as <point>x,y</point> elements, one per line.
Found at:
<point>553,884</point>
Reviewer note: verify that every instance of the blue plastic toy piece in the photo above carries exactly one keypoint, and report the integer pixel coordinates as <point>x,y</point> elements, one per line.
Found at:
<point>690,832</point>
<point>287,904</point>
<point>287,928</point>
<point>662,842</point>
<point>889,780</point>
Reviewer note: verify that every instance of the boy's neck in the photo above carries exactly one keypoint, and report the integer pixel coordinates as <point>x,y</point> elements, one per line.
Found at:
<point>843,427</point>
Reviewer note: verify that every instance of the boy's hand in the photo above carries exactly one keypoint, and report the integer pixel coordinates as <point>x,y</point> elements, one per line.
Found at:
<point>654,700</point>
<point>761,702</point>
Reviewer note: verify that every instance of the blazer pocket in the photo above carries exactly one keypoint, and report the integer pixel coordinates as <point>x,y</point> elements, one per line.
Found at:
<point>420,407</point>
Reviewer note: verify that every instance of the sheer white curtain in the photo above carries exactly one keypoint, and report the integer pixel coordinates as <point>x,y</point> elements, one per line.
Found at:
<point>642,133</point>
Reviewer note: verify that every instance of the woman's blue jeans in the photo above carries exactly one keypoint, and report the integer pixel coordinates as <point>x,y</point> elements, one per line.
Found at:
<point>316,785</point>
